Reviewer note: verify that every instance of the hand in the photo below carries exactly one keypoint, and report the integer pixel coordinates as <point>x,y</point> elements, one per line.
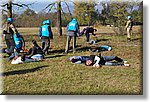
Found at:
<point>97,65</point>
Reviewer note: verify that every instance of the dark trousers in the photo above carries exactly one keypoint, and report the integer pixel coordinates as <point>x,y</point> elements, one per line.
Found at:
<point>45,44</point>
<point>87,37</point>
<point>10,45</point>
<point>68,43</point>
<point>109,61</point>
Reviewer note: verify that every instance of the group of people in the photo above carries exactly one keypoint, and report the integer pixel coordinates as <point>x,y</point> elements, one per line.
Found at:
<point>16,44</point>
<point>93,60</point>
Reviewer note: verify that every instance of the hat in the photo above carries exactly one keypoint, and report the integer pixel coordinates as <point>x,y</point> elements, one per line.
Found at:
<point>10,20</point>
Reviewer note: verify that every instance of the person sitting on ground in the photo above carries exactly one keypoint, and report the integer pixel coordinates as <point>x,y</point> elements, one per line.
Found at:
<point>98,61</point>
<point>35,52</point>
<point>87,32</point>
<point>22,59</point>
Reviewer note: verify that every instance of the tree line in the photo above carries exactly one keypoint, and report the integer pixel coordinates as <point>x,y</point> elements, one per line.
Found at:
<point>87,13</point>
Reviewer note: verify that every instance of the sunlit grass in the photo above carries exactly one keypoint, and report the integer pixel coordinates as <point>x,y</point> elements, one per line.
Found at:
<point>56,75</point>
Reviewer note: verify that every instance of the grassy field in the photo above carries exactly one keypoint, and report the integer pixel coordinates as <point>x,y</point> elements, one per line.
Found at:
<point>55,75</point>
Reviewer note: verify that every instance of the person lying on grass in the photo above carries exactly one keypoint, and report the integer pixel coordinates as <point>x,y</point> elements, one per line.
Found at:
<point>23,59</point>
<point>98,61</point>
<point>94,48</point>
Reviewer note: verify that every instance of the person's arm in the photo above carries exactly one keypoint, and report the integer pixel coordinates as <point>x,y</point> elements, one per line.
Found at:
<point>50,31</point>
<point>97,59</point>
<point>32,52</point>
<point>40,32</point>
<point>23,43</point>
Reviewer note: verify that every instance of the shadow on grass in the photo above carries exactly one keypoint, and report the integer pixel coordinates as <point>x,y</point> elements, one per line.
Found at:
<point>99,40</point>
<point>86,48</point>
<point>18,72</point>
<point>136,39</point>
<point>57,51</point>
<point>54,56</point>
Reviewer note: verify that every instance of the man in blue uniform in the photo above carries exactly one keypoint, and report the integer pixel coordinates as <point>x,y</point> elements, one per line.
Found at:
<point>46,34</point>
<point>9,31</point>
<point>72,30</point>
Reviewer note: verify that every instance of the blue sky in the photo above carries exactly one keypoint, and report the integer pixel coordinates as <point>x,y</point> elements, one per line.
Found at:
<point>39,5</point>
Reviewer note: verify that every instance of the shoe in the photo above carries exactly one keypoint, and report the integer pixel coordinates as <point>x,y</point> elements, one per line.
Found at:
<point>128,39</point>
<point>65,53</point>
<point>127,65</point>
<point>125,62</point>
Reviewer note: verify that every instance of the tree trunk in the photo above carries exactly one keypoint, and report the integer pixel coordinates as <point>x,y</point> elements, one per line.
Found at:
<point>59,22</point>
<point>9,9</point>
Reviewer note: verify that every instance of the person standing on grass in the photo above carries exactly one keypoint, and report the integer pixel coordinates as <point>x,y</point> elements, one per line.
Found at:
<point>9,31</point>
<point>128,27</point>
<point>72,30</point>
<point>46,34</point>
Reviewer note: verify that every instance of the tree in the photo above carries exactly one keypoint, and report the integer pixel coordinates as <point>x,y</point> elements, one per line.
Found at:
<point>59,21</point>
<point>9,6</point>
<point>59,10</point>
<point>85,12</point>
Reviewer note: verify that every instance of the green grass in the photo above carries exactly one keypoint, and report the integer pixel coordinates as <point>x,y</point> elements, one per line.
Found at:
<point>55,75</point>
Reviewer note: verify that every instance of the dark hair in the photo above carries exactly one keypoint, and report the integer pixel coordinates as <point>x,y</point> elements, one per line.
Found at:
<point>74,60</point>
<point>34,42</point>
<point>23,57</point>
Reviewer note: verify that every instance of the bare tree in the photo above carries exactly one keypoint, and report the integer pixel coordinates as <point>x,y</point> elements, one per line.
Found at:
<point>59,13</point>
<point>10,4</point>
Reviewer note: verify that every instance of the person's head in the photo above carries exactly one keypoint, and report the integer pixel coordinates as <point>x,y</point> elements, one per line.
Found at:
<point>73,60</point>
<point>48,22</point>
<point>23,57</point>
<point>88,62</point>
<point>130,17</point>
<point>34,42</point>
<point>10,20</point>
<point>74,20</point>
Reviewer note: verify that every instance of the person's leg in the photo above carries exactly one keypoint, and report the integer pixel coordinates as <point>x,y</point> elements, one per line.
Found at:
<point>113,64</point>
<point>87,37</point>
<point>74,44</point>
<point>12,46</point>
<point>111,58</point>
<point>43,44</point>
<point>67,44</point>
<point>47,45</point>
<point>128,34</point>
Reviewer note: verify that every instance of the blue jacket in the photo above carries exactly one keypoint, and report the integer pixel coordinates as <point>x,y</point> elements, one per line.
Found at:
<point>72,28</point>
<point>18,41</point>
<point>45,31</point>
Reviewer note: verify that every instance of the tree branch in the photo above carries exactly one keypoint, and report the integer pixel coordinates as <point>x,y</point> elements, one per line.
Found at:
<point>48,6</point>
<point>68,8</point>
